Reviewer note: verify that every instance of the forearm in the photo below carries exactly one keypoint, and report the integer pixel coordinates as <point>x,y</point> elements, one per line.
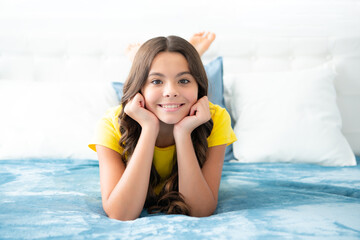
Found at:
<point>127,199</point>
<point>192,184</point>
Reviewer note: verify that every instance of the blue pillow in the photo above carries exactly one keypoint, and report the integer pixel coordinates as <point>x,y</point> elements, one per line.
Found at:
<point>214,72</point>
<point>118,86</point>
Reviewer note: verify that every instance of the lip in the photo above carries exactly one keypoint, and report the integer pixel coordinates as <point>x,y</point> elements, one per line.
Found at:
<point>171,107</point>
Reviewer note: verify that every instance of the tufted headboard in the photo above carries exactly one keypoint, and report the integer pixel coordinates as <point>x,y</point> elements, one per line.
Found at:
<point>75,40</point>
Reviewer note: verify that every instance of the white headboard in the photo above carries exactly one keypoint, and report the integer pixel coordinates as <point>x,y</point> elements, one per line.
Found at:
<point>73,40</point>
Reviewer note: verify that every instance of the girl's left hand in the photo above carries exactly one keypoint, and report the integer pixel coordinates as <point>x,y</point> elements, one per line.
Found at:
<point>199,114</point>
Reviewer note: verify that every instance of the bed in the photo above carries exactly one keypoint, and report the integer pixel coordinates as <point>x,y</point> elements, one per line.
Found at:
<point>287,72</point>
<point>256,201</point>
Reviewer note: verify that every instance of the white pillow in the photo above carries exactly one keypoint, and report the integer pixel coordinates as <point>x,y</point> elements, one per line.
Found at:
<point>51,119</point>
<point>288,117</point>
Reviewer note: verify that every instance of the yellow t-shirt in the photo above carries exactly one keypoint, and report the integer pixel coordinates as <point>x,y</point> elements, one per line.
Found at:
<point>108,135</point>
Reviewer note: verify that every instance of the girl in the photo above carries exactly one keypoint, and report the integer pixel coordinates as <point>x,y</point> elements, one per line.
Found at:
<point>163,147</point>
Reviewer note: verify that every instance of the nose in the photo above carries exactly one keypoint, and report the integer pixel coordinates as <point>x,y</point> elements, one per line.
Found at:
<point>170,90</point>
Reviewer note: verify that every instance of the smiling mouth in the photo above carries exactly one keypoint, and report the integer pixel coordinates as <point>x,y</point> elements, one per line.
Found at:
<point>171,106</point>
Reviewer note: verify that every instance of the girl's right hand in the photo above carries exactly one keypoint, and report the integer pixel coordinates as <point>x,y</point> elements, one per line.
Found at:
<point>135,109</point>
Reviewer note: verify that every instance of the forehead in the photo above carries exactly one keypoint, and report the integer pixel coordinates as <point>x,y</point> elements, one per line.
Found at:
<point>169,61</point>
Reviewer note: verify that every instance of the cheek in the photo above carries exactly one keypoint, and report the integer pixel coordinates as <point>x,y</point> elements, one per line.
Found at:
<point>194,98</point>
<point>149,98</point>
<point>193,95</point>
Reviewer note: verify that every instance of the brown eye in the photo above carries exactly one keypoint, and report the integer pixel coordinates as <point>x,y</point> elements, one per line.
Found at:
<point>156,82</point>
<point>184,81</point>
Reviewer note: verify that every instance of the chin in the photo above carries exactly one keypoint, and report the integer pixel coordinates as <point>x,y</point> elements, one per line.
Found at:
<point>170,121</point>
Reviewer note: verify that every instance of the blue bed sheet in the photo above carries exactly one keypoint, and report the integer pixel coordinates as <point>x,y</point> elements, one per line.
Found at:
<point>60,199</point>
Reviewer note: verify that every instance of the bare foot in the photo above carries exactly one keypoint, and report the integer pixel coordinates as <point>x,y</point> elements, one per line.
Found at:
<point>131,50</point>
<point>202,41</point>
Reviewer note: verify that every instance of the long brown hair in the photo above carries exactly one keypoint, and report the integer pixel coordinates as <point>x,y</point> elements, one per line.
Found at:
<point>169,199</point>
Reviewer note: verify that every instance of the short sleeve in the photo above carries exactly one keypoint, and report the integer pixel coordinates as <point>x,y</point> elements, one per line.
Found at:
<point>222,132</point>
<point>107,132</point>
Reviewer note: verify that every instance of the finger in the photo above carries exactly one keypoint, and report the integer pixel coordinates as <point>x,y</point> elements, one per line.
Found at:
<point>139,99</point>
<point>204,98</point>
<point>142,102</point>
<point>193,110</point>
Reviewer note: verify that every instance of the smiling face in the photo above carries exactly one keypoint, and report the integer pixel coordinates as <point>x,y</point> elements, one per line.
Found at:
<point>170,90</point>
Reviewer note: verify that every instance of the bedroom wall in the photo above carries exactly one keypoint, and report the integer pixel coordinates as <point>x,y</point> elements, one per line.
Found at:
<point>74,40</point>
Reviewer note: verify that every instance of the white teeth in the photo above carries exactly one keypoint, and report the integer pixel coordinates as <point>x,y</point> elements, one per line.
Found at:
<point>170,106</point>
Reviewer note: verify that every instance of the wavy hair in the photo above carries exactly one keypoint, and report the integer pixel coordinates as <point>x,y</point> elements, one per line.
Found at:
<point>169,200</point>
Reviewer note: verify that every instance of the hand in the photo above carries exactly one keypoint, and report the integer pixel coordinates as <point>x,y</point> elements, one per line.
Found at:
<point>199,114</point>
<point>135,109</point>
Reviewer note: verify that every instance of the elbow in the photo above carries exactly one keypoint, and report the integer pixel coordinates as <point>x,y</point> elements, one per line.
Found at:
<point>121,215</point>
<point>204,212</point>
<point>207,213</point>
<point>205,208</point>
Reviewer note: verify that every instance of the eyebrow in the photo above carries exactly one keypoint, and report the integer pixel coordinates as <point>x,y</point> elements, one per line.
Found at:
<point>162,75</point>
